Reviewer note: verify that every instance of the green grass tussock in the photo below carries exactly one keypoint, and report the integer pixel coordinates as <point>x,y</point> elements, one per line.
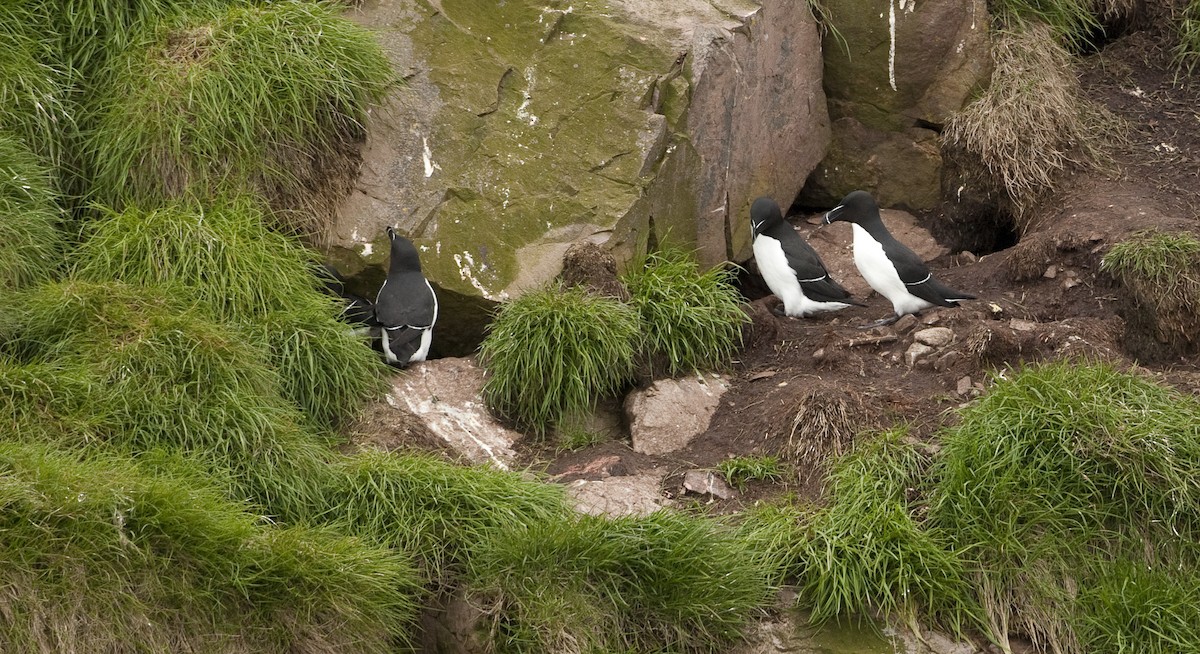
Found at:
<point>33,93</point>
<point>130,369</point>
<point>437,511</point>
<point>1162,272</point>
<point>219,250</point>
<point>740,470</point>
<point>91,31</point>
<point>663,582</point>
<point>1068,477</point>
<point>554,352</point>
<point>775,533</point>
<point>1072,22</point>
<point>270,98</point>
<point>867,552</point>
<point>1031,124</point>
<point>324,367</point>
<point>224,257</point>
<point>692,319</point>
<point>1187,50</point>
<point>31,244</point>
<point>100,555</point>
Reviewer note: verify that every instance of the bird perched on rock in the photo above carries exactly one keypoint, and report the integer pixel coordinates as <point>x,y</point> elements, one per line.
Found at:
<point>893,270</point>
<point>406,306</point>
<point>791,267</point>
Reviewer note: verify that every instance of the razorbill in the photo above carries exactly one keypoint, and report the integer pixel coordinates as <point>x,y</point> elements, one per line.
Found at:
<point>406,306</point>
<point>791,267</point>
<point>893,270</point>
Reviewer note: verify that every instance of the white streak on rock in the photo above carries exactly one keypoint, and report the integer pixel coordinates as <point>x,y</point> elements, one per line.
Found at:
<point>427,157</point>
<point>892,43</point>
<point>522,111</point>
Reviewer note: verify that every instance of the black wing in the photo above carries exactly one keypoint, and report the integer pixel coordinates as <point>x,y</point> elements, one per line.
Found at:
<point>918,279</point>
<point>810,271</point>
<point>406,301</point>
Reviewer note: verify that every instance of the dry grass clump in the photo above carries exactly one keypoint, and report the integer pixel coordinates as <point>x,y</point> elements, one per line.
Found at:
<point>1031,124</point>
<point>1162,272</point>
<point>823,425</point>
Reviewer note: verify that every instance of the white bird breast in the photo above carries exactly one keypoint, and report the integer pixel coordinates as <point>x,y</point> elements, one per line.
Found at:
<point>881,274</point>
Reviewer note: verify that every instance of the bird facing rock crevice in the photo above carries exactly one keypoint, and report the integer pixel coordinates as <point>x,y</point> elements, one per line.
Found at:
<point>893,270</point>
<point>406,307</point>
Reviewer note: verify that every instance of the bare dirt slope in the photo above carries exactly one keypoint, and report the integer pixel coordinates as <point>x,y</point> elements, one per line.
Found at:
<point>802,388</point>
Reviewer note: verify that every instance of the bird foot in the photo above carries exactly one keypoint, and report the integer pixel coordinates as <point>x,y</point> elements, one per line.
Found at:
<point>880,323</point>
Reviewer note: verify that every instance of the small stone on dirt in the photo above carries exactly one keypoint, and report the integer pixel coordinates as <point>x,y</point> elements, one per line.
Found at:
<point>668,414</point>
<point>1051,272</point>
<point>707,482</point>
<point>947,360</point>
<point>906,323</point>
<point>964,385</point>
<point>617,496</point>
<point>1018,325</point>
<point>915,352</point>
<point>935,336</point>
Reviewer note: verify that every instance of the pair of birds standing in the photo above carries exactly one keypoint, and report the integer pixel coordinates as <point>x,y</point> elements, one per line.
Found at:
<point>795,273</point>
<point>401,319</point>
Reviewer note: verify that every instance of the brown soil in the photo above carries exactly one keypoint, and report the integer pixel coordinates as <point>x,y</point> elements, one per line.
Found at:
<point>1044,298</point>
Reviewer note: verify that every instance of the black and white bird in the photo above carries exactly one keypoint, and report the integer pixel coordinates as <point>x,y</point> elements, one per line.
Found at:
<point>893,270</point>
<point>791,267</point>
<point>406,306</point>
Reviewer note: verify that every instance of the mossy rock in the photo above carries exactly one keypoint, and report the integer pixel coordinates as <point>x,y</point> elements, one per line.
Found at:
<point>525,128</point>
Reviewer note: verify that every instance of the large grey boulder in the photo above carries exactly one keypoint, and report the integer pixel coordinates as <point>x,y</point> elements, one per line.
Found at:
<point>894,73</point>
<point>525,126</point>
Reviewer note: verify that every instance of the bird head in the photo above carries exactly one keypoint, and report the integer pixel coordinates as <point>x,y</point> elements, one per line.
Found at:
<point>856,207</point>
<point>403,253</point>
<point>764,213</point>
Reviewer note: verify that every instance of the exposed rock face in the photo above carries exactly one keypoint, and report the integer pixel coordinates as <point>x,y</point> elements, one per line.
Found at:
<point>445,396</point>
<point>526,126</point>
<point>668,414</point>
<point>893,74</point>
